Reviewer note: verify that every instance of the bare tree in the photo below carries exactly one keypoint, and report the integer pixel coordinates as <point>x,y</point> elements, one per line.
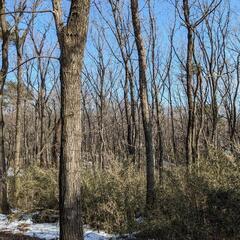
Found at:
<point>72,37</point>
<point>191,26</point>
<point>19,40</point>
<point>147,125</point>
<point>5,34</point>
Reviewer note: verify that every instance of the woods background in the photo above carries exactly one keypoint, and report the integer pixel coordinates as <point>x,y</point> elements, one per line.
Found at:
<point>159,98</point>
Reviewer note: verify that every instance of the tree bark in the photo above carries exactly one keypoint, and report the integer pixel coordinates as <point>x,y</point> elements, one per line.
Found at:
<point>72,38</point>
<point>18,112</point>
<point>189,76</point>
<point>123,40</point>
<point>147,125</point>
<point>4,206</point>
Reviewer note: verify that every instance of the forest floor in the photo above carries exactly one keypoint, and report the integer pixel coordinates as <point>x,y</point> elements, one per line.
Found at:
<point>25,229</point>
<point>11,236</point>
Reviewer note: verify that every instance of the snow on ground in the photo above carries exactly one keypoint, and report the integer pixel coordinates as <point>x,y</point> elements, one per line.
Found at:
<point>47,231</point>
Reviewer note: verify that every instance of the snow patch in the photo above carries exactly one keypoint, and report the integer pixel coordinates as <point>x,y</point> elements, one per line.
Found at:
<point>46,231</point>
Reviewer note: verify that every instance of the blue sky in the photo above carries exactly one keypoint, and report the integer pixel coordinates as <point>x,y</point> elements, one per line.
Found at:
<point>163,9</point>
<point>164,12</point>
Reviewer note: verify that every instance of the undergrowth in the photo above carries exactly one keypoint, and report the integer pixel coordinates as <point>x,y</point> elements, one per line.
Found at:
<point>202,205</point>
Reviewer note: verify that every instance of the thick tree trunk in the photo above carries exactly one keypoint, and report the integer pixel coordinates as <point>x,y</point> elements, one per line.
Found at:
<point>72,38</point>
<point>147,125</point>
<point>70,159</point>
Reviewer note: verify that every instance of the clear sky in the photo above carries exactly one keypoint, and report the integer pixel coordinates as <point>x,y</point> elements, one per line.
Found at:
<point>163,10</point>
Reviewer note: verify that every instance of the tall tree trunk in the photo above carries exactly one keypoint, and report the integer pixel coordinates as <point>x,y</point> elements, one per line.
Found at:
<point>56,138</point>
<point>20,38</point>
<point>189,73</point>
<point>123,41</point>
<point>72,38</point>
<point>147,125</point>
<point>4,206</point>
<point>42,156</point>
<point>155,97</point>
<point>130,115</point>
<point>19,115</point>
<point>174,145</point>
<point>18,112</point>
<point>133,118</point>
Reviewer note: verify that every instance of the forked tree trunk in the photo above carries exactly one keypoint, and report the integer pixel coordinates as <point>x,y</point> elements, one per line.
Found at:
<point>72,38</point>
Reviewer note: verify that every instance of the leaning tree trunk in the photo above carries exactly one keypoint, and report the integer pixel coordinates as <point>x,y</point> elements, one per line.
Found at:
<point>72,38</point>
<point>147,125</point>
<point>4,206</point>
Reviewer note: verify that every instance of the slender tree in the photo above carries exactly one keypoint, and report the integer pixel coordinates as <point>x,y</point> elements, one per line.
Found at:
<point>147,124</point>
<point>5,34</point>
<point>189,67</point>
